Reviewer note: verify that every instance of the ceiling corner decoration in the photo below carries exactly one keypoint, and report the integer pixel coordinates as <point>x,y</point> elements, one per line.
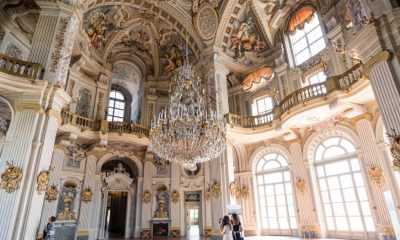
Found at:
<point>256,77</point>
<point>243,41</point>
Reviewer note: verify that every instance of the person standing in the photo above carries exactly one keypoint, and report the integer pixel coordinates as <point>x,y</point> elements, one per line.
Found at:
<point>237,227</point>
<point>49,231</point>
<point>226,228</point>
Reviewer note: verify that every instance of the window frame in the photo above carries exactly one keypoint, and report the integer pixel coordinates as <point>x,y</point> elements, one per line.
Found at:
<point>308,46</point>
<point>261,200</point>
<point>263,98</point>
<point>111,117</point>
<point>348,157</point>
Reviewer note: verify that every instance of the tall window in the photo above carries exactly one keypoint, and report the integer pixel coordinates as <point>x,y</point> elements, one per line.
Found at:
<point>342,189</point>
<point>263,105</point>
<point>116,107</point>
<point>307,42</point>
<point>275,194</point>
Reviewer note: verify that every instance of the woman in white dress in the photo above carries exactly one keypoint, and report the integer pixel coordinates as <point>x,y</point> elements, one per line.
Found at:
<point>226,228</point>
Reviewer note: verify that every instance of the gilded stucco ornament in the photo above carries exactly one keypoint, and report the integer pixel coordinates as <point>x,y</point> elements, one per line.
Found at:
<point>301,185</point>
<point>216,189</point>
<point>11,177</point>
<point>175,196</point>
<point>51,193</point>
<point>161,212</point>
<point>395,150</point>
<point>239,191</point>
<point>42,179</point>
<point>147,196</point>
<point>87,195</point>
<point>376,175</point>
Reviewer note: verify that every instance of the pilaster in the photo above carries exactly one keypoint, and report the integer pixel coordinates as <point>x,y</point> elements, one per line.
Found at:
<point>54,38</point>
<point>371,161</point>
<point>305,210</point>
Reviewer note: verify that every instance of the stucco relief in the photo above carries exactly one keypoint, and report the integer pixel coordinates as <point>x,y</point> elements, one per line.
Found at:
<point>207,22</point>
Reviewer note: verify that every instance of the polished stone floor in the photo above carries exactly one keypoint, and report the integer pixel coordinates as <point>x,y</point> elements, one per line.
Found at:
<point>246,238</point>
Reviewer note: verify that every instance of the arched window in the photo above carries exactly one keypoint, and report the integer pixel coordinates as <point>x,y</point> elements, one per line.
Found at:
<point>342,189</point>
<point>116,106</point>
<point>275,195</point>
<point>306,35</point>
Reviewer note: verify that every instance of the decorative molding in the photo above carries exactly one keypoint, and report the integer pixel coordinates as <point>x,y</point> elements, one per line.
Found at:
<point>56,55</point>
<point>29,106</point>
<point>384,55</point>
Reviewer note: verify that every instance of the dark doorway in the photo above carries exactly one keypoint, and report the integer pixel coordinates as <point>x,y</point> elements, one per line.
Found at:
<point>116,214</point>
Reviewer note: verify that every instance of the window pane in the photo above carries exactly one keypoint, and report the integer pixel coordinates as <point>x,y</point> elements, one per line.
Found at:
<point>337,168</point>
<point>328,210</point>
<point>341,223</point>
<point>300,45</point>
<point>334,152</point>
<point>349,195</point>
<point>369,224</point>
<point>333,183</point>
<point>314,35</point>
<point>317,46</point>
<point>352,209</point>
<point>365,208</point>
<point>336,196</point>
<point>119,95</point>
<point>338,209</point>
<point>330,223</point>
<point>303,56</point>
<point>356,224</point>
<point>346,181</point>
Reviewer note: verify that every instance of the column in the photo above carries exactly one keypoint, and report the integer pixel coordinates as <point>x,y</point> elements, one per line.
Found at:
<point>386,90</point>
<point>175,210</point>
<point>207,221</point>
<point>86,207</point>
<point>378,184</point>
<point>53,39</point>
<point>218,206</point>
<point>139,201</point>
<point>147,186</point>
<point>33,133</point>
<point>306,212</point>
<point>230,172</point>
<point>50,206</point>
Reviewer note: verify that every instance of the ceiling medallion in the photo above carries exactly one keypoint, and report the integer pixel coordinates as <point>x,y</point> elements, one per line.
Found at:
<point>207,22</point>
<point>187,132</point>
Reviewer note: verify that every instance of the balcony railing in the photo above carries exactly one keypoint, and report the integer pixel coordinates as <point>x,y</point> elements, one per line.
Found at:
<point>320,90</point>
<point>101,125</point>
<point>20,68</point>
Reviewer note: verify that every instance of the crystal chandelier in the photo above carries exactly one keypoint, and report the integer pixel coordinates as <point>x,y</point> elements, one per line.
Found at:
<point>187,132</point>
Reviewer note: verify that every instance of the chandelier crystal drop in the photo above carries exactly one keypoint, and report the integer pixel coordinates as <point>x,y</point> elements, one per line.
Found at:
<point>187,132</point>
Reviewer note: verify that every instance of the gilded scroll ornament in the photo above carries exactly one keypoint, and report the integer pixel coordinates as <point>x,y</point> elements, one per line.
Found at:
<point>207,195</point>
<point>87,195</point>
<point>11,177</point>
<point>51,193</point>
<point>42,179</point>
<point>301,185</point>
<point>175,196</point>
<point>377,175</point>
<point>147,196</point>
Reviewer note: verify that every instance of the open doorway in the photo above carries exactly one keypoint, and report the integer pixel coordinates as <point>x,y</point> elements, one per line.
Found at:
<point>193,214</point>
<point>116,214</point>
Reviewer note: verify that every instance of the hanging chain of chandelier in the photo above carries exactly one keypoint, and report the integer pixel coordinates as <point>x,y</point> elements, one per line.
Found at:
<point>187,132</point>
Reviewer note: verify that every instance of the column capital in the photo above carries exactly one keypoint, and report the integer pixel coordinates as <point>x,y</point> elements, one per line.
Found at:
<point>384,55</point>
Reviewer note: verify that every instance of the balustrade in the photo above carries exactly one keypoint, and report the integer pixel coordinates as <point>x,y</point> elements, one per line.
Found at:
<point>300,96</point>
<point>20,68</point>
<point>100,125</point>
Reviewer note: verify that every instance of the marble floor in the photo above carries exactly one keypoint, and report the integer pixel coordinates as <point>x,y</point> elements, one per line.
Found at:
<point>246,238</point>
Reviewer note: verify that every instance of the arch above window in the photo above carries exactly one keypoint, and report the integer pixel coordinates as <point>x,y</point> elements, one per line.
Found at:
<point>334,147</point>
<point>271,161</point>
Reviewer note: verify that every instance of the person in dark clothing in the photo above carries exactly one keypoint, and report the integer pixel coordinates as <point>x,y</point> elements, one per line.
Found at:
<point>237,227</point>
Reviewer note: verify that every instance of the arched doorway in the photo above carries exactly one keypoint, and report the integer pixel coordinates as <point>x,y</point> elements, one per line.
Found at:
<point>119,198</point>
